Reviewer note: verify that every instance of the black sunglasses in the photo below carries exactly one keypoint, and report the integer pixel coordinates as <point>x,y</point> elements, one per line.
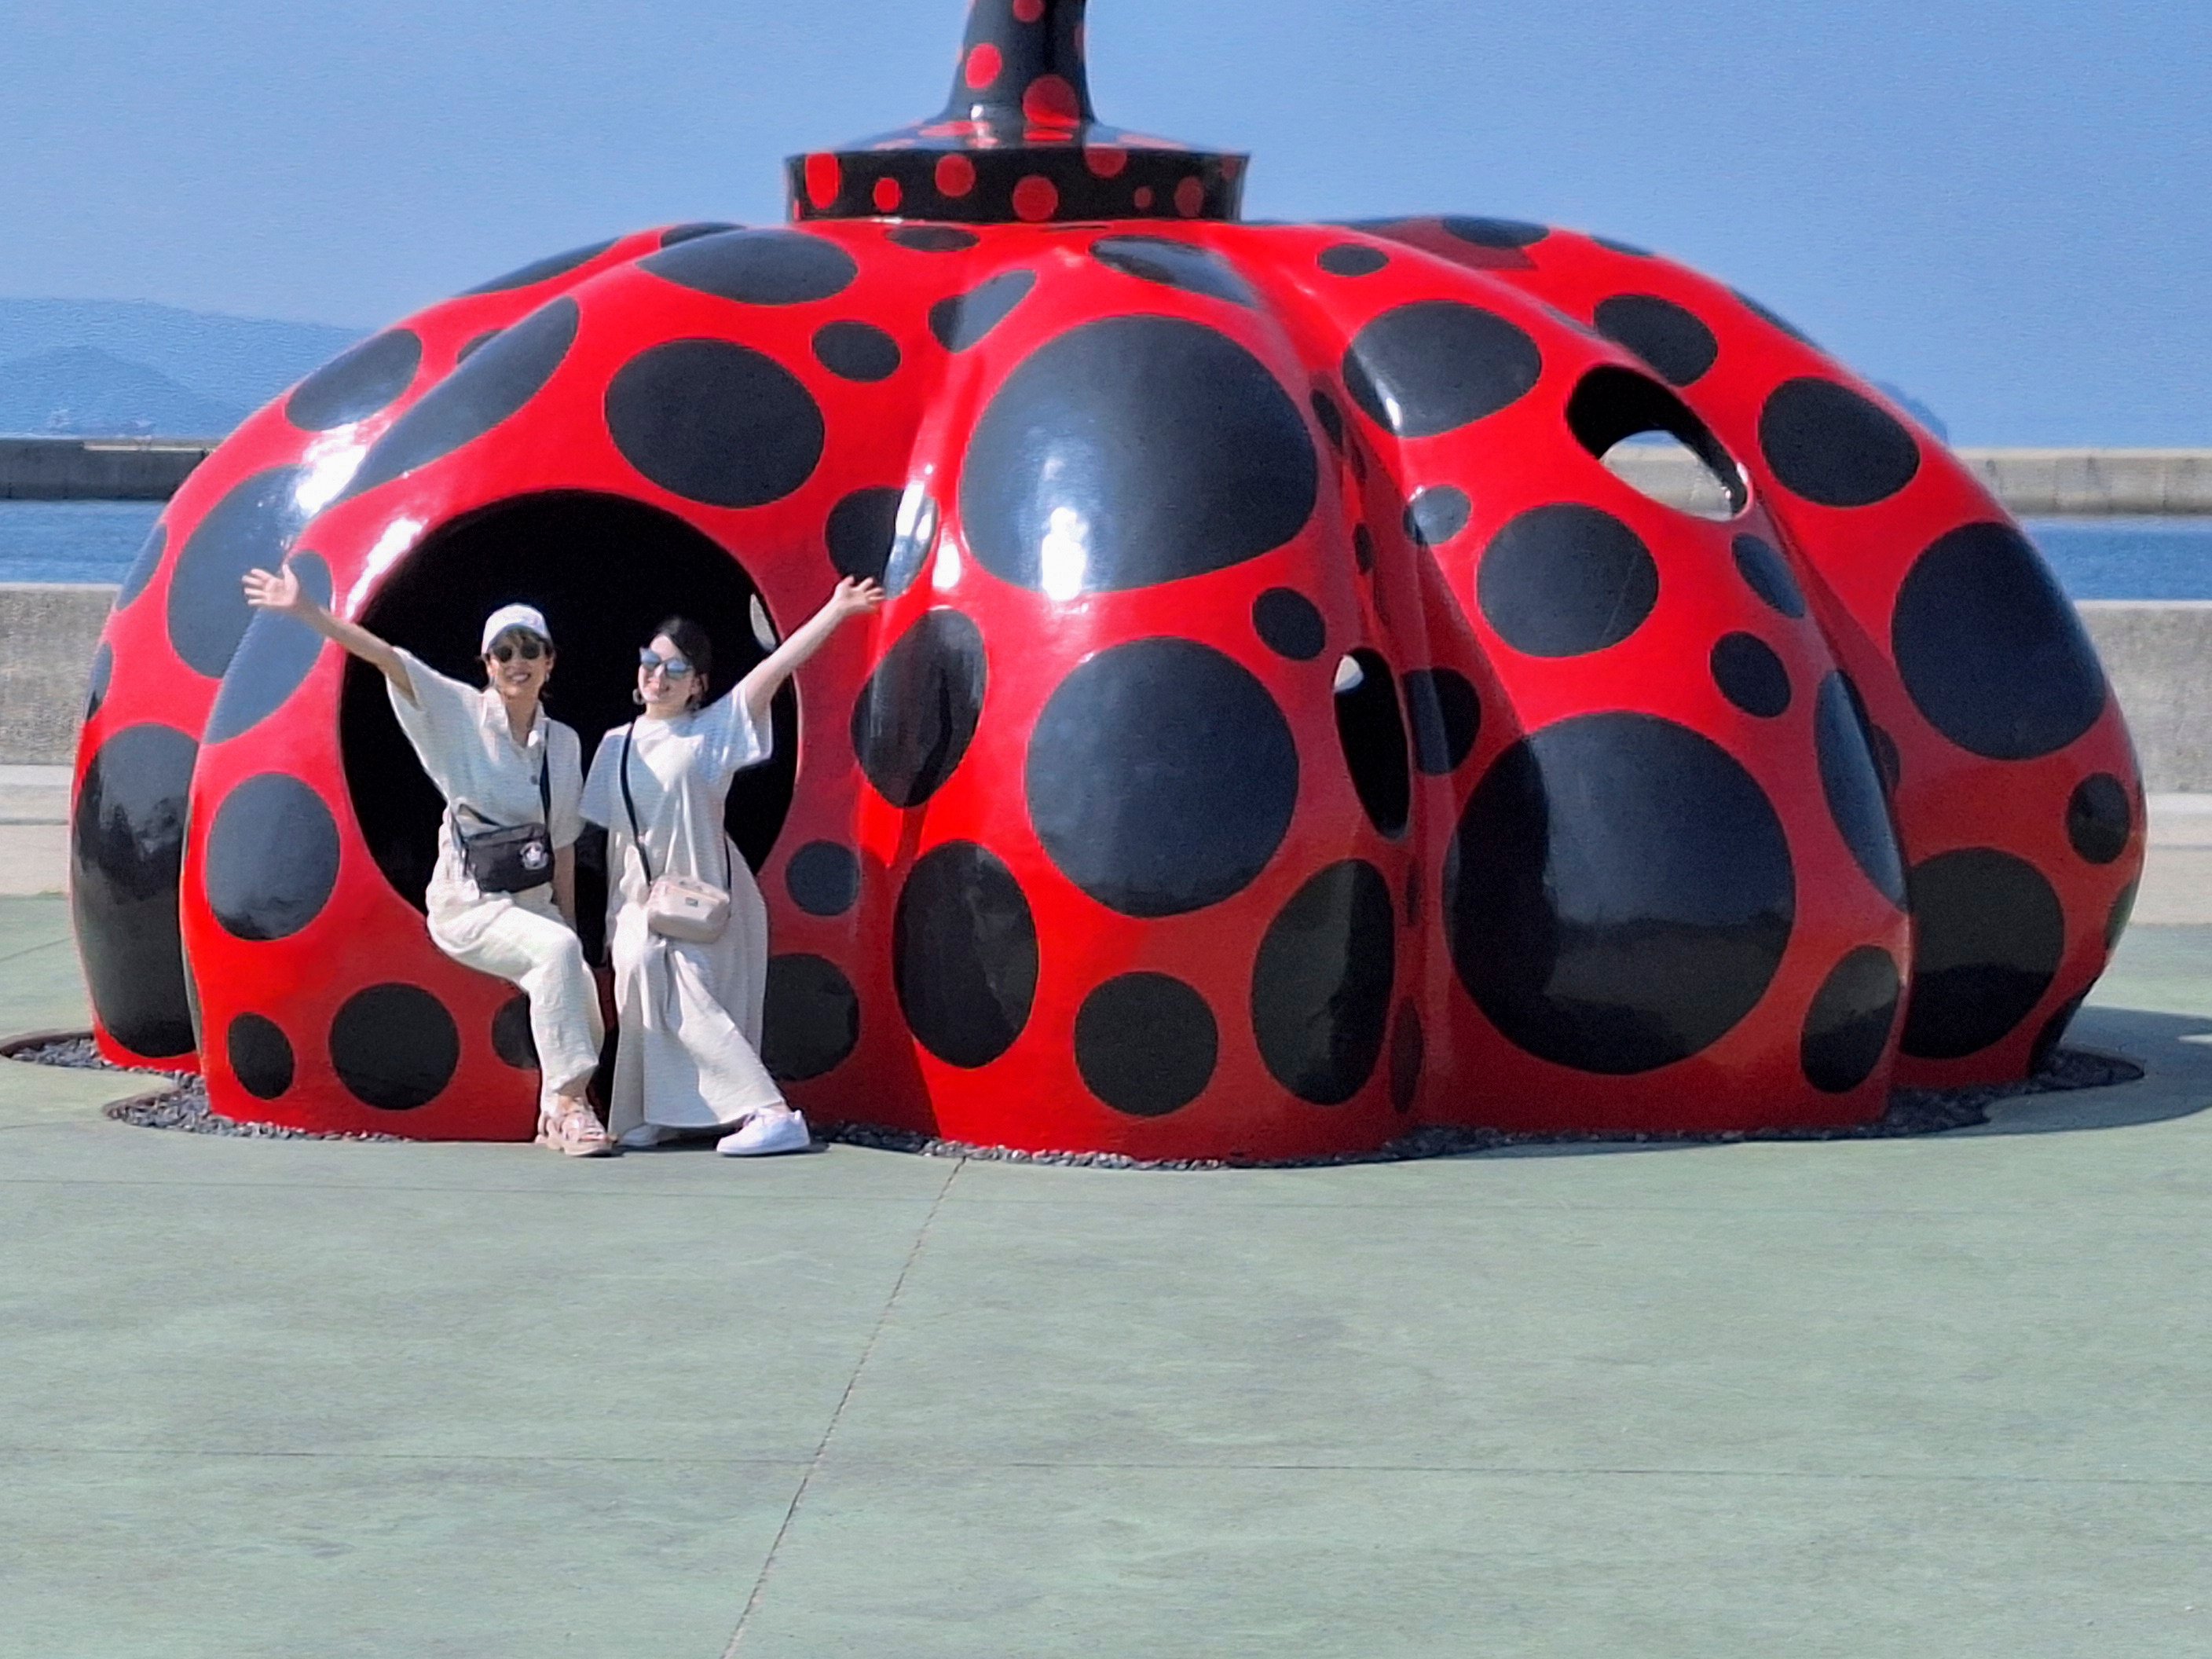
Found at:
<point>528,650</point>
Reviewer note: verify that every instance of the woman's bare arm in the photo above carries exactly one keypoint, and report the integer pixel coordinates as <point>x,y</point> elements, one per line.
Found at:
<point>854,597</point>
<point>281,592</point>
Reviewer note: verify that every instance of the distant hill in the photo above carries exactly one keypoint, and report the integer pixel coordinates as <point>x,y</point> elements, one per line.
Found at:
<point>229,365</point>
<point>82,392</point>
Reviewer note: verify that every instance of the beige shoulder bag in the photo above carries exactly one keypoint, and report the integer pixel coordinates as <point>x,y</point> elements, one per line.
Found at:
<point>678,907</point>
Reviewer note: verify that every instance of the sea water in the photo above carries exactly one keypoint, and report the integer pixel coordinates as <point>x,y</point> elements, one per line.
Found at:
<point>2095,558</point>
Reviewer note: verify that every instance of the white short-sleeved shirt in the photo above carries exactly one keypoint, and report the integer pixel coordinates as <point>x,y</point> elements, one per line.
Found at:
<point>461,736</point>
<point>679,779</point>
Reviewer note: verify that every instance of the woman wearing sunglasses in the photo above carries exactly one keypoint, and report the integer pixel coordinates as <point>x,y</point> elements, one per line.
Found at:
<point>686,927</point>
<point>502,898</point>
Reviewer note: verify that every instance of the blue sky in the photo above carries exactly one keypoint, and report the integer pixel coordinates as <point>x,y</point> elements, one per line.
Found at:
<point>2000,205</point>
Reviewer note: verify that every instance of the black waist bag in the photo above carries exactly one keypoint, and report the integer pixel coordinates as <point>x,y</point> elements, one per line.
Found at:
<point>511,860</point>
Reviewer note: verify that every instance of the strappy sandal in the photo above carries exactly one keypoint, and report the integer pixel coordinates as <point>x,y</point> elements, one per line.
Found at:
<point>573,1130</point>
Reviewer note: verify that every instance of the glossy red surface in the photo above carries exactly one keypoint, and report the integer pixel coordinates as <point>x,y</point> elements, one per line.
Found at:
<point>1320,919</point>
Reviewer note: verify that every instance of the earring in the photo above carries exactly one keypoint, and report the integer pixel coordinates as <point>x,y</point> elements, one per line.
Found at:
<point>637,696</point>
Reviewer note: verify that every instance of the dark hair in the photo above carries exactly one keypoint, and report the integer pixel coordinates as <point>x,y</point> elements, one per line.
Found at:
<point>691,640</point>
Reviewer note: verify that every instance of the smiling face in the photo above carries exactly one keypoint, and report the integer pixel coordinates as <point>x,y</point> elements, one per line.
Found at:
<point>518,666</point>
<point>667,692</point>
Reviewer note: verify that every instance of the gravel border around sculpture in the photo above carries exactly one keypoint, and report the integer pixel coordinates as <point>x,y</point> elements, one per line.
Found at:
<point>183,1107</point>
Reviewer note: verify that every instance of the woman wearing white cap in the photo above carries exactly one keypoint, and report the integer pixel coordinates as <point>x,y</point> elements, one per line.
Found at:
<point>502,898</point>
<point>686,927</point>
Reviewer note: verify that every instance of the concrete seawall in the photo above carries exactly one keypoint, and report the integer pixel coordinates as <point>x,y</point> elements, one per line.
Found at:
<point>97,469</point>
<point>2157,652</point>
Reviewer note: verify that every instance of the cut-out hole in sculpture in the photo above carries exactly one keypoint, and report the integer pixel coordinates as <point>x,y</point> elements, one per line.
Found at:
<point>554,552</point>
<point>1372,729</point>
<point>1649,438</point>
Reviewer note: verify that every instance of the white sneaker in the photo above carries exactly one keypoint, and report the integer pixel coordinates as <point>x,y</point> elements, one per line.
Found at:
<point>765,1133</point>
<point>645,1137</point>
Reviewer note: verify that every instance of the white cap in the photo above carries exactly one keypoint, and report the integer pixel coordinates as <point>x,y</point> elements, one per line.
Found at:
<point>514,615</point>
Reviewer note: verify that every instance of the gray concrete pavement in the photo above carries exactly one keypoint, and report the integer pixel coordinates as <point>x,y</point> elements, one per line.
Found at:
<point>1936,1396</point>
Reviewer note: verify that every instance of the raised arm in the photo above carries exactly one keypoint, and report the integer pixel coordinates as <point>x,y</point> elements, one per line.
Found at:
<point>281,592</point>
<point>854,597</point>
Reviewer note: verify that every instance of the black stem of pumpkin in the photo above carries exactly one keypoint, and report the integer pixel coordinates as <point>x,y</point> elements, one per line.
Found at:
<point>1023,60</point>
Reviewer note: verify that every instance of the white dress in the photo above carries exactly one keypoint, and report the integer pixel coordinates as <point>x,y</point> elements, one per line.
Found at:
<point>461,735</point>
<point>688,1057</point>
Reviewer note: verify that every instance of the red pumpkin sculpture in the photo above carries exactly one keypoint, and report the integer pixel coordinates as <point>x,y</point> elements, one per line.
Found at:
<point>1285,731</point>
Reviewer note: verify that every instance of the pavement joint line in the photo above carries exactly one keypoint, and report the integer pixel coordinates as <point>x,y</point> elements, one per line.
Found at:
<point>822,1450</point>
<point>34,950</point>
<point>1484,1471</point>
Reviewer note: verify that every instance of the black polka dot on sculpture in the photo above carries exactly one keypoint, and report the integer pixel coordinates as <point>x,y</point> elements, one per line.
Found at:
<point>1750,676</point>
<point>914,535</point>
<point>2123,910</point>
<point>1617,941</point>
<point>914,718</point>
<point>693,232</point>
<point>1145,1044</point>
<point>758,267</point>
<point>934,238</point>
<point>1408,1049</point>
<point>856,351</point>
<point>962,320</point>
<point>126,848</point>
<point>2098,820</point>
<point>1830,445</point>
<point>490,387</point>
<point>1668,336</point>
<point>260,1055</point>
<point>1133,451</point>
<point>1161,777</point>
<point>2048,1041</point>
<point>1766,574</point>
<point>394,1047</point>
<point>272,857</point>
<point>1437,514</point>
<point>1351,259</point>
<point>1850,781</point>
<point>272,660</point>
<point>1847,1028</point>
<point>1371,733</point>
<point>356,384</point>
<point>1173,265</point>
<point>1446,717</point>
<point>1289,624</point>
<point>1501,233</point>
<point>143,566</point>
<point>1991,653</point>
<point>824,878</point>
<point>1563,579</point>
<point>251,526</point>
<point>860,530</point>
<point>543,270</point>
<point>103,671</point>
<point>1988,934</point>
<point>963,954</point>
<point>811,1021</point>
<point>1322,983</point>
<point>1362,549</point>
<point>715,422</point>
<point>1328,417</point>
<point>1433,366</point>
<point>512,1039</point>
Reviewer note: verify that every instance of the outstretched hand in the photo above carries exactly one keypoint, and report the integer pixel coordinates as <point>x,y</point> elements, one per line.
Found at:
<point>855,596</point>
<point>277,590</point>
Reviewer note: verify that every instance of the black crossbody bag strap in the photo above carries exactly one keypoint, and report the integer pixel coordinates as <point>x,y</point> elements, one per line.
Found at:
<point>629,805</point>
